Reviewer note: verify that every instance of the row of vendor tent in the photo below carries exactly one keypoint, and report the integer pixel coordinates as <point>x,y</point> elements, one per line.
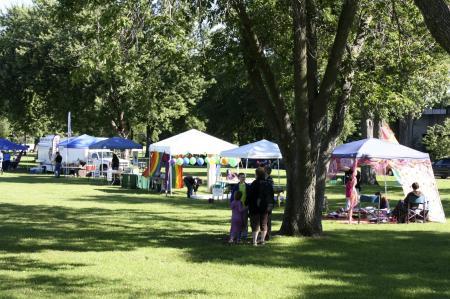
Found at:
<point>198,143</point>
<point>409,165</point>
<point>6,145</point>
<point>86,141</point>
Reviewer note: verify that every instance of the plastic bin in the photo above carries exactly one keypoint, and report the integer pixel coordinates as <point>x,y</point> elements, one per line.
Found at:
<point>133,182</point>
<point>126,181</point>
<point>143,182</point>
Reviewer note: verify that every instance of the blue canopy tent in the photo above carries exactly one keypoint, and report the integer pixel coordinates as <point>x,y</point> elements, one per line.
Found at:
<point>83,141</point>
<point>115,143</point>
<point>6,145</point>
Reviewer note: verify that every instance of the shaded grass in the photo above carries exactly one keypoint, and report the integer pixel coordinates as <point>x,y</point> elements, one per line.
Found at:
<point>71,238</point>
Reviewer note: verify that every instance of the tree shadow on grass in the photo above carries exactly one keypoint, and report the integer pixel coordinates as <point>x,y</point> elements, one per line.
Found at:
<point>22,264</point>
<point>45,179</point>
<point>51,286</point>
<point>375,263</point>
<point>34,228</point>
<point>127,196</point>
<point>401,262</point>
<point>352,263</point>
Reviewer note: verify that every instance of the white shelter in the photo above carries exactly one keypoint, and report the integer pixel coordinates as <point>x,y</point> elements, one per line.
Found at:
<point>192,142</point>
<point>196,143</point>
<point>262,149</point>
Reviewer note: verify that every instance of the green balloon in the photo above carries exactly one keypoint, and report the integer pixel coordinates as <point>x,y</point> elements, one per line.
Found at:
<point>192,161</point>
<point>180,161</point>
<point>232,162</point>
<point>207,160</point>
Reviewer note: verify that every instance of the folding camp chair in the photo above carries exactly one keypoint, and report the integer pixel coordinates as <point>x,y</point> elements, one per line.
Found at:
<point>218,190</point>
<point>417,210</point>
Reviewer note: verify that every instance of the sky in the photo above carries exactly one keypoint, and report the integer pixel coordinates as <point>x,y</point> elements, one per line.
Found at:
<point>4,4</point>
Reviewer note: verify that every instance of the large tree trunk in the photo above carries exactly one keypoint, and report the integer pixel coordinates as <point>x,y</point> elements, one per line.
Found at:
<point>405,131</point>
<point>436,14</point>
<point>303,133</point>
<point>301,217</point>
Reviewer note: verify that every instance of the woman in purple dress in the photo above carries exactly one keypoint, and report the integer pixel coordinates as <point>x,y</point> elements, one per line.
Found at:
<point>236,218</point>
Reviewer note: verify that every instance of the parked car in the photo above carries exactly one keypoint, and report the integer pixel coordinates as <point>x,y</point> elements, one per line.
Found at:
<point>441,168</point>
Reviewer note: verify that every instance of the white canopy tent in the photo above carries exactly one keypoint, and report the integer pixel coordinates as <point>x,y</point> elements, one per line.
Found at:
<point>408,164</point>
<point>262,149</point>
<point>193,142</point>
<point>373,148</point>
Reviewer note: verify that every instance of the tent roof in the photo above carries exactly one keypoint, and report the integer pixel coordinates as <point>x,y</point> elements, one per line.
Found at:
<point>192,142</point>
<point>115,143</point>
<point>373,148</point>
<point>82,141</point>
<point>6,145</point>
<point>262,149</point>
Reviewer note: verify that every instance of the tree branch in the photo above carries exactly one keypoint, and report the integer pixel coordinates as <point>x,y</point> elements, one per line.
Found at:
<point>342,103</point>
<point>331,73</point>
<point>311,36</point>
<point>273,96</point>
<point>300,71</point>
<point>436,14</point>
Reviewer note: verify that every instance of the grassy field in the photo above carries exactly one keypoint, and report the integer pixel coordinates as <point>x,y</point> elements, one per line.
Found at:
<point>73,238</point>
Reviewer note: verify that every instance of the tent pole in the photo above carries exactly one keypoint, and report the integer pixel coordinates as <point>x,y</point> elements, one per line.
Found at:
<point>385,193</point>
<point>170,175</point>
<point>101,165</point>
<point>278,164</point>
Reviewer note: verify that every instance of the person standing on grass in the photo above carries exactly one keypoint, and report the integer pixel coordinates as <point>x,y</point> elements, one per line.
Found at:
<point>236,218</point>
<point>351,197</point>
<point>243,187</point>
<point>269,179</point>
<point>1,162</point>
<point>115,162</point>
<point>58,163</point>
<point>260,202</point>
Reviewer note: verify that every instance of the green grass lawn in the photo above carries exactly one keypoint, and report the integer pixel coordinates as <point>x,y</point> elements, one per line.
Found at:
<point>72,238</point>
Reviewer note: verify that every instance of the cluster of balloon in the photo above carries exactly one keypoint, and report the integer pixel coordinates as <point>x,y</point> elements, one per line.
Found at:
<point>233,162</point>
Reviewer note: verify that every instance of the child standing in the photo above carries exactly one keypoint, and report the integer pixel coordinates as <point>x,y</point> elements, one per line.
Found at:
<point>351,196</point>
<point>236,218</point>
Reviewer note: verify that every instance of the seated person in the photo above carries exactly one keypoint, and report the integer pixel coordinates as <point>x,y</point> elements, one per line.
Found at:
<point>401,209</point>
<point>192,184</point>
<point>413,195</point>
<point>384,202</point>
<point>16,161</point>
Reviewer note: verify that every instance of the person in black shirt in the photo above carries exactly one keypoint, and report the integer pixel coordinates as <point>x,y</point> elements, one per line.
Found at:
<point>58,163</point>
<point>260,202</point>
<point>115,162</point>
